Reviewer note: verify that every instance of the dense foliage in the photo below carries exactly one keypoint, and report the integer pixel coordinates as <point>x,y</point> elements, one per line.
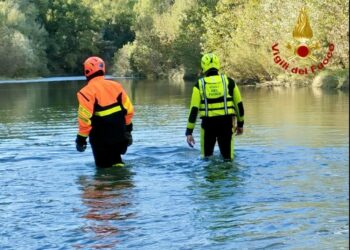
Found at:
<point>53,37</point>
<point>162,38</point>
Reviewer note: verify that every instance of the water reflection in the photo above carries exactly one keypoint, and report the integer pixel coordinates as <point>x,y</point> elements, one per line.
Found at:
<point>36,101</point>
<point>295,116</point>
<point>219,187</point>
<point>158,92</point>
<point>217,170</point>
<point>218,181</point>
<point>107,196</point>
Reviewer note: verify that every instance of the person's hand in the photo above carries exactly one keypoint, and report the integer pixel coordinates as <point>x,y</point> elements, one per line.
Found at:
<point>80,143</point>
<point>128,138</point>
<point>190,141</point>
<point>239,131</point>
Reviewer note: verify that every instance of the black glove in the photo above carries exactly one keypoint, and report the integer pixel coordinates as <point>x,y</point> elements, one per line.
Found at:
<point>80,143</point>
<point>128,138</point>
<point>129,127</point>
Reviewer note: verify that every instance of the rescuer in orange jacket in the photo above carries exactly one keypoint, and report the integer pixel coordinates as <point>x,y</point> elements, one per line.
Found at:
<point>104,115</point>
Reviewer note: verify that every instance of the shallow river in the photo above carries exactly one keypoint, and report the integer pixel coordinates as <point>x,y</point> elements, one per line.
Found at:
<point>287,188</point>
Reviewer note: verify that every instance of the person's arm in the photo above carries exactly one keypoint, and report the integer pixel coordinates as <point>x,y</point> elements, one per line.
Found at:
<point>238,103</point>
<point>129,113</point>
<point>191,122</point>
<point>86,108</point>
<point>129,108</point>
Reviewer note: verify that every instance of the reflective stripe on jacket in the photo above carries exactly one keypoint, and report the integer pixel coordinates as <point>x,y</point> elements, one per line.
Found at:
<point>104,110</point>
<point>215,95</point>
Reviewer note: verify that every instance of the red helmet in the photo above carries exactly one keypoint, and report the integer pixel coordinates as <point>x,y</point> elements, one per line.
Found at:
<point>94,64</point>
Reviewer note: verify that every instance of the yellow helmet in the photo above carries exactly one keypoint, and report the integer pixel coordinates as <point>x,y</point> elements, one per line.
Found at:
<point>209,61</point>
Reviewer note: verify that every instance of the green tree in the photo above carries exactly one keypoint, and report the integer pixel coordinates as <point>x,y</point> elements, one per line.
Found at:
<point>242,34</point>
<point>22,41</point>
<point>116,19</point>
<point>167,38</point>
<point>147,56</point>
<point>187,45</point>
<point>73,34</point>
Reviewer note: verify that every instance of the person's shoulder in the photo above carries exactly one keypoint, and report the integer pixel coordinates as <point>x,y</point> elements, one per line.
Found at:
<point>86,92</point>
<point>116,85</point>
<point>196,83</point>
<point>84,88</point>
<point>228,77</point>
<point>231,80</point>
<point>112,81</point>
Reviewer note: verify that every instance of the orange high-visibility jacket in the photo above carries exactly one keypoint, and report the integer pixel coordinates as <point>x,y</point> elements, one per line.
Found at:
<point>104,109</point>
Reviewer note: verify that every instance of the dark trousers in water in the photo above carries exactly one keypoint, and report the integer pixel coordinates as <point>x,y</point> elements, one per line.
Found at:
<point>107,156</point>
<point>218,129</point>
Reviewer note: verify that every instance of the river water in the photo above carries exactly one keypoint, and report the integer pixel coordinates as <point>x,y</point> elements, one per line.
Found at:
<point>287,188</point>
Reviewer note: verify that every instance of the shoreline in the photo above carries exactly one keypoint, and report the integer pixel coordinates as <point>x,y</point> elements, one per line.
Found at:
<point>328,79</point>
<point>56,79</point>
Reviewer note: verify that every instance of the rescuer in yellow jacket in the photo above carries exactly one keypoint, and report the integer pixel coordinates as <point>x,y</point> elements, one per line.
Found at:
<point>104,115</point>
<point>217,99</point>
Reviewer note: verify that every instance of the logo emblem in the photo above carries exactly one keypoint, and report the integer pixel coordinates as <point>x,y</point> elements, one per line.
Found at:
<point>302,48</point>
<point>303,33</point>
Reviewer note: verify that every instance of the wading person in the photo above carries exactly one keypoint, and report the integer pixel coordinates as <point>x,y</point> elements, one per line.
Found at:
<point>218,101</point>
<point>104,115</point>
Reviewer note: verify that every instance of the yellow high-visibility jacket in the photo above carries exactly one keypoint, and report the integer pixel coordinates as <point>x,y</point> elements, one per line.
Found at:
<point>215,95</point>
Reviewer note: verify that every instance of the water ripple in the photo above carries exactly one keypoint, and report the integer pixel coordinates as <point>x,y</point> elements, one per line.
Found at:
<point>286,189</point>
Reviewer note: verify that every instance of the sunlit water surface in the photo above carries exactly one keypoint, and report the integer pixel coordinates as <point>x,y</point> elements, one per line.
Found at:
<point>287,188</point>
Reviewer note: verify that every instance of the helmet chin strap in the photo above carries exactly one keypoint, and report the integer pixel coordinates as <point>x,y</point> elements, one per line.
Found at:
<point>98,73</point>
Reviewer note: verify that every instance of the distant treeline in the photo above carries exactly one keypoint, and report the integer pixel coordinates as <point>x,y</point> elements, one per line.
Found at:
<point>162,38</point>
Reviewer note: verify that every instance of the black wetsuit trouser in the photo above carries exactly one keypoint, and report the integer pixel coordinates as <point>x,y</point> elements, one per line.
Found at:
<point>108,155</point>
<point>220,129</point>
